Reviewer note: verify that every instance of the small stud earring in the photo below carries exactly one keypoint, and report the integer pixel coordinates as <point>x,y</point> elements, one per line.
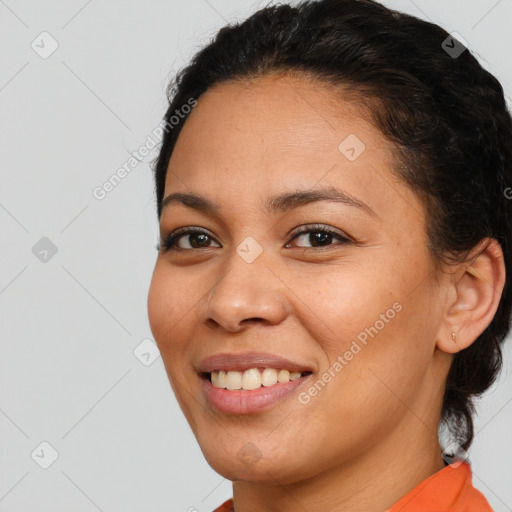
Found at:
<point>454,337</point>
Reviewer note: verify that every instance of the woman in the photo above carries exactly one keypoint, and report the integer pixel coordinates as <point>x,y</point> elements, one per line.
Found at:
<point>330,291</point>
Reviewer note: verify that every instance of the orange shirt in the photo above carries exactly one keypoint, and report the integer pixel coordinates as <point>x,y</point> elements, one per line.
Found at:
<point>449,490</point>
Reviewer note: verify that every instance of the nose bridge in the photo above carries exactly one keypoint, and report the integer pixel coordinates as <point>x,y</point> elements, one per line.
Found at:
<point>246,289</point>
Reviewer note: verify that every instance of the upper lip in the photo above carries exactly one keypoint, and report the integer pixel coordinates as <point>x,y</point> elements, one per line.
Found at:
<point>247,360</point>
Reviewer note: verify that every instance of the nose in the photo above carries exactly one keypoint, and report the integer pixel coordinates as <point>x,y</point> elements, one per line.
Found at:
<point>243,293</point>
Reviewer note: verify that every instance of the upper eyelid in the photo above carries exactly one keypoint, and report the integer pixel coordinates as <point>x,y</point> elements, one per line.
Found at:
<point>186,231</point>
<point>189,230</point>
<point>291,235</point>
<point>304,228</point>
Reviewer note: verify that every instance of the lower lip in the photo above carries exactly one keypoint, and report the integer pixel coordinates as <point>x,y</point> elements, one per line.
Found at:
<point>249,401</point>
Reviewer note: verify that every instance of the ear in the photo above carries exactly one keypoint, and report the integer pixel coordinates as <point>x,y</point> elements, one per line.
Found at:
<point>473,296</point>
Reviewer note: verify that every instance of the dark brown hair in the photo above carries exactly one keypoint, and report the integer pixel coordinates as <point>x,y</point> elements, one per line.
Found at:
<point>445,114</point>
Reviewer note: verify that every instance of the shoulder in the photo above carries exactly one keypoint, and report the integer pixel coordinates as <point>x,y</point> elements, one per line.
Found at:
<point>449,489</point>
<point>227,506</point>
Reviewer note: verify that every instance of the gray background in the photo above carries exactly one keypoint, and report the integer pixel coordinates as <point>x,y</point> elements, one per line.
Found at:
<point>71,325</point>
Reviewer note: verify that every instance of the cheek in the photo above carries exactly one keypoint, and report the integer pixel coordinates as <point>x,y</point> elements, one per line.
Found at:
<point>377,320</point>
<point>170,302</point>
<point>169,306</point>
<point>337,303</point>
<point>158,306</point>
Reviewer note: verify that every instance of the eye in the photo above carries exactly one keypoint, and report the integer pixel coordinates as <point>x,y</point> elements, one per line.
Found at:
<point>198,238</point>
<point>319,236</point>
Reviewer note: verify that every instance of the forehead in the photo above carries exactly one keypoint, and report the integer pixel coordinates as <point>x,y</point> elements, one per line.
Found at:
<point>253,139</point>
<point>276,114</point>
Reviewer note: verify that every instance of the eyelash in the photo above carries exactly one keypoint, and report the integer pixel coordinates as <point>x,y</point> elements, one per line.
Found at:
<point>169,242</point>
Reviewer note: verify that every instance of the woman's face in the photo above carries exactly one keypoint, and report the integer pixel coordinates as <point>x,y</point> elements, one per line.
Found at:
<point>360,309</point>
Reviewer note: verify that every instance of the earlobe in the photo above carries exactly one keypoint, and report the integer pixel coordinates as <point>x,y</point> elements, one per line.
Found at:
<point>449,343</point>
<point>477,290</point>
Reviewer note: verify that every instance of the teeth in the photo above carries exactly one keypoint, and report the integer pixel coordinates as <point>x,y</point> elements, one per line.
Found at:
<point>283,376</point>
<point>234,380</point>
<point>251,379</point>
<point>269,377</point>
<point>219,379</point>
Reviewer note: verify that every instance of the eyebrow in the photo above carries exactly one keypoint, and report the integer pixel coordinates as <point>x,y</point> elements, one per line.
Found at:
<point>279,203</point>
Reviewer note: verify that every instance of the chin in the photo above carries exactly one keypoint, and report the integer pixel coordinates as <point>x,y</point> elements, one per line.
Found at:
<point>249,464</point>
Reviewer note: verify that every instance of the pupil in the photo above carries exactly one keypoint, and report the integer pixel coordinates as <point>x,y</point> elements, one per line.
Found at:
<point>204,239</point>
<point>321,238</point>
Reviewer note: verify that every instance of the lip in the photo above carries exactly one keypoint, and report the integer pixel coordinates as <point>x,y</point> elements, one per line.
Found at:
<point>245,361</point>
<point>252,401</point>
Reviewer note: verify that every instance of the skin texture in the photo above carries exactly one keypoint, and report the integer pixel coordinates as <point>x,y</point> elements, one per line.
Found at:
<point>370,435</point>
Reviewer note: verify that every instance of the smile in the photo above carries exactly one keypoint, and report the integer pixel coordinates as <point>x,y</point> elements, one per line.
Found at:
<point>253,378</point>
<point>241,401</point>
